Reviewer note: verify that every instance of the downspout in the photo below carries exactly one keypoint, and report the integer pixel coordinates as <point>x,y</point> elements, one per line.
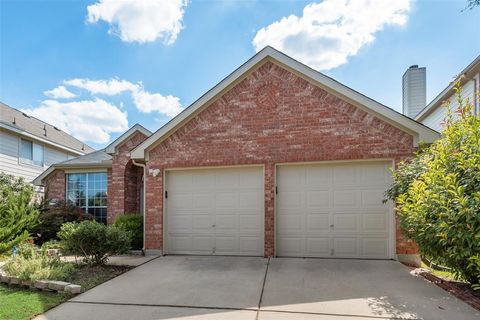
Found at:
<point>143,196</point>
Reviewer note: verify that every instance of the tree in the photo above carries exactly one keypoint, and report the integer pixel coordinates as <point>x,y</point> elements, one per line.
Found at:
<point>438,195</point>
<point>17,212</point>
<point>472,3</point>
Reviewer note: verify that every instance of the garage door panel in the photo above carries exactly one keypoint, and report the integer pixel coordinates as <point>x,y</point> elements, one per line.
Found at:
<point>375,222</point>
<point>318,199</point>
<point>226,200</point>
<point>250,245</point>
<point>345,247</point>
<point>181,201</point>
<point>290,224</point>
<point>346,222</point>
<point>333,210</point>
<point>317,246</point>
<point>316,176</point>
<point>375,247</point>
<point>251,223</point>
<point>373,198</point>
<point>289,199</point>
<point>252,199</point>
<point>291,246</point>
<point>202,201</point>
<point>215,211</point>
<point>345,198</point>
<point>318,223</point>
<point>345,175</point>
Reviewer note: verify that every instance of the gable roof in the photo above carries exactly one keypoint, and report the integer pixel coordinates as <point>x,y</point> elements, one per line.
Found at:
<point>19,122</point>
<point>472,69</point>
<point>137,127</point>
<point>419,131</point>
<point>97,159</point>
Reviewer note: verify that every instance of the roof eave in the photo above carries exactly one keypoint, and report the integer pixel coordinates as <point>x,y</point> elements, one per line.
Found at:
<point>35,137</point>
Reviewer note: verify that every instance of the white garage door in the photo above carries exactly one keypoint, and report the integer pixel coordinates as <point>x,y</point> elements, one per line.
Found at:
<point>334,210</point>
<point>215,211</point>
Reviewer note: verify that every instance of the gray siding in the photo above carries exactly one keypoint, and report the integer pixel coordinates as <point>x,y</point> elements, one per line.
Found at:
<point>9,161</point>
<point>436,118</point>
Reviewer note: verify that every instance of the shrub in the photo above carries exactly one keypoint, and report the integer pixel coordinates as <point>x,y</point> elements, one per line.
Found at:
<point>439,204</point>
<point>93,241</point>
<point>52,218</point>
<point>34,264</point>
<point>132,223</point>
<point>18,215</point>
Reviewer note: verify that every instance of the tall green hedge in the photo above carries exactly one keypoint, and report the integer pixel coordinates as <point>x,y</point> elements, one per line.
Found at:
<point>438,195</point>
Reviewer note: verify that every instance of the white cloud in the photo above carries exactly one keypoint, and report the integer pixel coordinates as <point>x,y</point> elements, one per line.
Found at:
<point>140,20</point>
<point>87,120</point>
<point>59,92</point>
<point>331,31</point>
<point>110,87</point>
<point>145,101</point>
<point>148,102</point>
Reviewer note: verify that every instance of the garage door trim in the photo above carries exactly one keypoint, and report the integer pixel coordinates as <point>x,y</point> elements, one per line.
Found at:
<point>164,206</point>
<point>392,225</point>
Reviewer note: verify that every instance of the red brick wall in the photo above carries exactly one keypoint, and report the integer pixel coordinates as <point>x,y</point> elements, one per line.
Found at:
<point>123,194</point>
<point>55,185</point>
<point>272,116</point>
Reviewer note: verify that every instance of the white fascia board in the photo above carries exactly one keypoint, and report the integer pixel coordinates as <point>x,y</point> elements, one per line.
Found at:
<point>110,149</point>
<point>418,130</point>
<point>38,181</point>
<point>37,138</point>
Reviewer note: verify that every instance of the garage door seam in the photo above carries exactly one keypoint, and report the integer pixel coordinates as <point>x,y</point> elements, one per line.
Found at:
<point>263,288</point>
<point>158,305</point>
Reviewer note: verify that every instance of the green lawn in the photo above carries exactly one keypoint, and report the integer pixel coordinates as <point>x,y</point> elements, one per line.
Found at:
<point>24,304</point>
<point>447,275</point>
<point>21,304</point>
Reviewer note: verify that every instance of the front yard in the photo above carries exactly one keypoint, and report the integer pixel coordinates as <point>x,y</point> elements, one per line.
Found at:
<point>19,303</point>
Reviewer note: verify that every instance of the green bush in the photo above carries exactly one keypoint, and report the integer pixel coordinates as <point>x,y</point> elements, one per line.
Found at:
<point>30,263</point>
<point>132,223</point>
<point>438,196</point>
<point>52,218</point>
<point>18,215</point>
<point>93,241</point>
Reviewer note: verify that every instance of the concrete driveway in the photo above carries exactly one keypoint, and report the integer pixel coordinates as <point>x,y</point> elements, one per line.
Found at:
<point>193,287</point>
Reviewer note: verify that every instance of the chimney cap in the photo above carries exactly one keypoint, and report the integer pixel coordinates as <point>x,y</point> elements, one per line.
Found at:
<point>414,66</point>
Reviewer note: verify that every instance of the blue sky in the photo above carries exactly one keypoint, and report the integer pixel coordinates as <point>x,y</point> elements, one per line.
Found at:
<point>118,64</point>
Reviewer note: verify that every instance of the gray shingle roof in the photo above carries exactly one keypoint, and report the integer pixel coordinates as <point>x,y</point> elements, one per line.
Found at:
<point>96,157</point>
<point>18,120</point>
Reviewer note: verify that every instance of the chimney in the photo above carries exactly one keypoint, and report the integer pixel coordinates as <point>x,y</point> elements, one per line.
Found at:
<point>414,90</point>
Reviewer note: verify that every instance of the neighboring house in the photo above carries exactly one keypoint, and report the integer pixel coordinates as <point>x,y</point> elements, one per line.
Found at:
<point>28,146</point>
<point>434,114</point>
<point>276,160</point>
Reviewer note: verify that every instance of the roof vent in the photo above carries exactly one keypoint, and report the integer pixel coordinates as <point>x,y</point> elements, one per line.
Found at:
<point>14,121</point>
<point>56,128</point>
<point>45,130</point>
<point>414,66</point>
<point>25,115</point>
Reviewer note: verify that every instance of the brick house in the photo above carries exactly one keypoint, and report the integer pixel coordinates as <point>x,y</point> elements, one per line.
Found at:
<point>276,160</point>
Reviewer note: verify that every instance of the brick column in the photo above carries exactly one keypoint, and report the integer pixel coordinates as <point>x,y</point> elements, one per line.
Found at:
<point>154,210</point>
<point>269,210</point>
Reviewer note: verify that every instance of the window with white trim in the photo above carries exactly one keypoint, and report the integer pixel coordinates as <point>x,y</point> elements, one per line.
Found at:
<point>31,153</point>
<point>89,191</point>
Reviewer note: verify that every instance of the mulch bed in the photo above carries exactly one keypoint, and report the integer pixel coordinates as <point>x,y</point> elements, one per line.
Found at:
<point>461,290</point>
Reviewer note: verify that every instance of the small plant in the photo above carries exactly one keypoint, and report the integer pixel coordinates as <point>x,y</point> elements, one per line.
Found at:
<point>52,218</point>
<point>18,215</point>
<point>94,241</point>
<point>132,223</point>
<point>31,263</point>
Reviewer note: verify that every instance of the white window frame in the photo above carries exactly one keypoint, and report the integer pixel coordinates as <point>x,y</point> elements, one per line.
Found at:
<point>86,173</point>
<point>31,162</point>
